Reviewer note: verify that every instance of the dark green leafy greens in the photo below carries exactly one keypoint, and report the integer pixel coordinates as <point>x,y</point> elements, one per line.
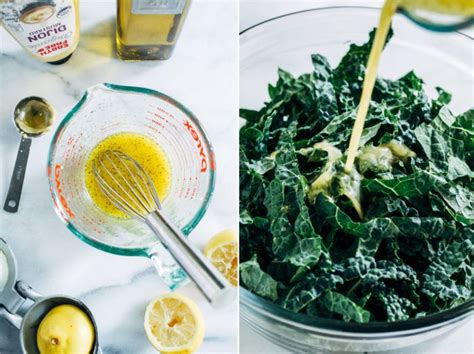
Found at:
<point>393,240</point>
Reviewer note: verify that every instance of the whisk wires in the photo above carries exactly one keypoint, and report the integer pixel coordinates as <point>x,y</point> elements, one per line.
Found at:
<point>126,184</point>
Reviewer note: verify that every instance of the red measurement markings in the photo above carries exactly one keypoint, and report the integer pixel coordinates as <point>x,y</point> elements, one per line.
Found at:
<point>213,161</point>
<point>165,112</point>
<point>181,190</point>
<point>193,193</point>
<point>158,120</point>
<point>190,189</point>
<point>93,223</point>
<point>158,123</point>
<point>62,199</point>
<point>153,128</point>
<point>196,188</point>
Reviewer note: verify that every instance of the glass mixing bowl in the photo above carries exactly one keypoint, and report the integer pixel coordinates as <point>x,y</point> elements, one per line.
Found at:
<point>287,42</point>
<point>110,109</point>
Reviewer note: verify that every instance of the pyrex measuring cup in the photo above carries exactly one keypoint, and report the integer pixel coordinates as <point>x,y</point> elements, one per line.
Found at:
<point>109,109</point>
<point>438,22</point>
<point>16,292</point>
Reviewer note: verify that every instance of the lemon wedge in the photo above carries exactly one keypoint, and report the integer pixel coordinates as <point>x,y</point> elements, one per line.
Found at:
<point>174,324</point>
<point>221,250</point>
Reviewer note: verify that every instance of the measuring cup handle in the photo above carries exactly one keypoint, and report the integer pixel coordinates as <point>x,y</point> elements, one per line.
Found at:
<point>208,279</point>
<point>27,291</point>
<point>15,320</point>
<point>168,270</point>
<point>16,182</point>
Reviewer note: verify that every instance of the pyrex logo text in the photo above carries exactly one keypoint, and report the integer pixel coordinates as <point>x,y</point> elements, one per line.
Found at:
<point>199,145</point>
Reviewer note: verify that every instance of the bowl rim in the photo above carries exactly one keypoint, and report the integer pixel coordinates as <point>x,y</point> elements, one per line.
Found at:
<point>136,251</point>
<point>334,7</point>
<point>371,329</point>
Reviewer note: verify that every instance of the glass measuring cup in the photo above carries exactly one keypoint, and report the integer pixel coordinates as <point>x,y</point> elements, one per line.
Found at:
<point>17,292</point>
<point>108,109</point>
<point>437,22</point>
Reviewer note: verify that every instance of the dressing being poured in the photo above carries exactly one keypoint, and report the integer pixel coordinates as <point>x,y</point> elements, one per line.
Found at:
<point>451,7</point>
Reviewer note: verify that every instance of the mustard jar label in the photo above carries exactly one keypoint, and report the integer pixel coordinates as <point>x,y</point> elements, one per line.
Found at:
<point>45,29</point>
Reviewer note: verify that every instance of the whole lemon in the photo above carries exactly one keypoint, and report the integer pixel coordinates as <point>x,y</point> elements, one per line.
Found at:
<point>65,329</point>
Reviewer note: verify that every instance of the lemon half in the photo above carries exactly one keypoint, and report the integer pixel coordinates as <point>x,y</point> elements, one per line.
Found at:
<point>174,324</point>
<point>222,252</point>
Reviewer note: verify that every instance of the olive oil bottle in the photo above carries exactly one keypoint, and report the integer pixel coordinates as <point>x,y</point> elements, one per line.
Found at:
<point>149,29</point>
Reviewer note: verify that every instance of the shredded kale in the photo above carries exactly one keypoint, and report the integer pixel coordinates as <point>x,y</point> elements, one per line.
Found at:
<point>391,241</point>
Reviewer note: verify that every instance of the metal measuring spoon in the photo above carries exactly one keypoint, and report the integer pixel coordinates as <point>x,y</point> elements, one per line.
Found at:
<point>33,116</point>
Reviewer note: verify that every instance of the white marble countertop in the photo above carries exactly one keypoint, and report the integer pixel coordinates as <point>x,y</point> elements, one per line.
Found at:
<point>460,341</point>
<point>202,74</point>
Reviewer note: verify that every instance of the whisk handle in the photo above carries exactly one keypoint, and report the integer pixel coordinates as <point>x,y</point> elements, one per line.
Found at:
<point>210,282</point>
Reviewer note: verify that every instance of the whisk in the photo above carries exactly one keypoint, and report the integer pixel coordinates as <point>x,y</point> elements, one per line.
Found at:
<point>130,189</point>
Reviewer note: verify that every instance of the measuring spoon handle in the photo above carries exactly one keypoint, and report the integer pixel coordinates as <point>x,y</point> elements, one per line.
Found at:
<point>16,182</point>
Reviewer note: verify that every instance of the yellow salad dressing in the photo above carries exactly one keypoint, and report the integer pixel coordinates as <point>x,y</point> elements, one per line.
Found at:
<point>140,148</point>
<point>451,7</point>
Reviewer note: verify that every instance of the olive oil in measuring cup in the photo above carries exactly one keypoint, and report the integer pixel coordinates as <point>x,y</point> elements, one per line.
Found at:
<point>459,8</point>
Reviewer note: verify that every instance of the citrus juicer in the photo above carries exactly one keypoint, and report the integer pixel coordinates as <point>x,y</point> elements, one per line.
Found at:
<point>107,109</point>
<point>17,292</point>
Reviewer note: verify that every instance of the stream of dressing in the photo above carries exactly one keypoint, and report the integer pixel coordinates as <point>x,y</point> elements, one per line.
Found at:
<point>457,7</point>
